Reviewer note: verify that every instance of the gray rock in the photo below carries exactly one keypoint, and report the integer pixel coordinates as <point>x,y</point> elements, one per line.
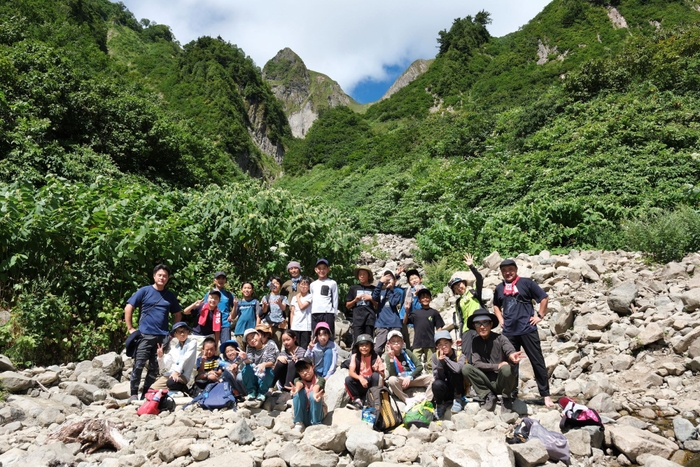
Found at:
<point>363,435</point>
<point>47,378</point>
<point>50,415</point>
<point>325,438</point>
<point>684,430</point>
<point>121,390</point>
<point>15,382</point>
<point>55,453</point>
<point>691,299</point>
<point>650,334</point>
<point>633,442</point>
<point>473,448</point>
<point>564,320</point>
<point>242,459</point>
<point>365,454</point>
<point>336,396</point>
<point>579,442</point>
<point>598,321</point>
<point>87,393</point>
<point>110,363</point>
<point>602,402</point>
<point>621,297</point>
<point>682,345</point>
<point>6,364</point>
<point>597,437</point>
<point>199,452</point>
<point>241,433</point>
<point>492,261</point>
<point>530,453</point>
<point>309,456</point>
<point>97,377</point>
<point>692,445</point>
<point>656,461</point>
<point>273,462</point>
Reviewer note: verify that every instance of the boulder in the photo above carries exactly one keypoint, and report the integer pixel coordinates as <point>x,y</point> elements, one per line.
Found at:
<point>199,452</point>
<point>336,396</point>
<point>6,364</point>
<point>650,334</point>
<point>599,321</point>
<point>691,299</point>
<point>579,442</point>
<point>492,261</point>
<point>475,448</point>
<point>621,298</point>
<point>87,393</point>
<point>564,320</point>
<point>110,363</point>
<point>656,461</point>
<point>241,433</point>
<point>683,429</point>
<point>633,442</point>
<point>680,347</point>
<point>309,456</point>
<point>363,435</point>
<point>530,453</point>
<point>325,438</point>
<point>15,382</point>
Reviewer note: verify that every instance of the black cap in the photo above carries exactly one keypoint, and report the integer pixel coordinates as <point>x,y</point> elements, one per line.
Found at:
<point>424,291</point>
<point>507,262</point>
<point>219,274</point>
<point>323,261</point>
<point>304,361</point>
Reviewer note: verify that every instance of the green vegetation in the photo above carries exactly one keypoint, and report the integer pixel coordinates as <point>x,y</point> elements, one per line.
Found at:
<point>490,151</point>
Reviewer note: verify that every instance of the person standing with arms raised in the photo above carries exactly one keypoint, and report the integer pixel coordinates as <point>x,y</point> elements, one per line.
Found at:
<point>512,304</point>
<point>156,303</point>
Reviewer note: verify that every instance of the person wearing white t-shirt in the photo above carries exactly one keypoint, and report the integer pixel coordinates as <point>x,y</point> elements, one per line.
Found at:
<point>324,297</point>
<point>300,315</point>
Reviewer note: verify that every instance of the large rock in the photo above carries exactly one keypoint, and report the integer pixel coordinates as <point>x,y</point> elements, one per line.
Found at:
<point>241,433</point>
<point>598,321</point>
<point>650,334</point>
<point>336,396</point>
<point>110,363</point>
<point>656,461</point>
<point>6,364</point>
<point>87,393</point>
<point>97,377</point>
<point>121,390</point>
<point>530,453</point>
<point>691,299</point>
<point>492,261</point>
<point>564,320</point>
<point>679,347</point>
<point>633,442</point>
<point>325,438</point>
<point>621,297</point>
<point>473,448</point>
<point>15,382</point>
<point>309,456</point>
<point>363,435</point>
<point>683,429</point>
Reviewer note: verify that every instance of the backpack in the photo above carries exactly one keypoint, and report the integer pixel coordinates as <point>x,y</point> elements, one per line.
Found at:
<point>215,396</point>
<point>576,415</point>
<point>420,415</point>
<point>387,410</point>
<point>157,400</point>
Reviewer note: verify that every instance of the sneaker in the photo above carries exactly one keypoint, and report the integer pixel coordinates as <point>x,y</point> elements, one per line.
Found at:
<point>252,396</point>
<point>175,394</point>
<point>440,411</point>
<point>464,400</point>
<point>490,402</point>
<point>456,406</point>
<point>261,397</point>
<point>506,405</point>
<point>355,405</point>
<point>298,427</point>
<point>133,398</point>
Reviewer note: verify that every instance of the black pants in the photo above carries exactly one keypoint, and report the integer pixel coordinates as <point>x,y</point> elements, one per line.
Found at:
<point>145,353</point>
<point>467,340</point>
<point>328,318</point>
<point>444,390</point>
<point>284,373</point>
<point>531,343</point>
<point>380,339</point>
<point>303,339</point>
<point>354,387</point>
<point>361,329</point>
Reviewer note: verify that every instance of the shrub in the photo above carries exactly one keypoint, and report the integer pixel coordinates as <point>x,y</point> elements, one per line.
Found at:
<point>665,235</point>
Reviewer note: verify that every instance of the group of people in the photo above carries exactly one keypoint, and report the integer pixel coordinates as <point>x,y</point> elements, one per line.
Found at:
<point>286,340</point>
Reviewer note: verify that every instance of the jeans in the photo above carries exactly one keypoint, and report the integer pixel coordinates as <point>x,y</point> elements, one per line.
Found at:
<point>253,384</point>
<point>306,409</point>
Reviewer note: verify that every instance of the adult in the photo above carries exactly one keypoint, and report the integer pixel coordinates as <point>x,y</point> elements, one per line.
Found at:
<point>490,369</point>
<point>226,304</point>
<point>512,304</point>
<point>359,299</point>
<point>290,287</point>
<point>389,299</point>
<point>155,304</point>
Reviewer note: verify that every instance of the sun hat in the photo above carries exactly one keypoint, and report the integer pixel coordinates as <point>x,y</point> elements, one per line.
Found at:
<point>364,268</point>
<point>443,335</point>
<point>222,347</point>
<point>264,327</point>
<point>178,325</point>
<point>394,333</point>
<point>481,314</point>
<point>249,331</point>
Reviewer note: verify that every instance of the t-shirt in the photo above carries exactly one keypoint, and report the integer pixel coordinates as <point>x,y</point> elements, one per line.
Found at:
<point>267,353</point>
<point>210,364</point>
<point>155,306</point>
<point>517,309</point>
<point>302,318</point>
<point>324,296</point>
<point>390,301</point>
<point>363,312</point>
<point>207,328</point>
<point>425,321</point>
<point>225,305</point>
<point>275,315</point>
<point>246,316</point>
<point>298,353</point>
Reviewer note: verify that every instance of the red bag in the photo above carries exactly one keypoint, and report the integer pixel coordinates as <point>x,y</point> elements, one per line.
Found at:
<point>154,399</point>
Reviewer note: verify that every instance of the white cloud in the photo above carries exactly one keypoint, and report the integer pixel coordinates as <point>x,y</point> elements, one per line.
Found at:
<point>348,40</point>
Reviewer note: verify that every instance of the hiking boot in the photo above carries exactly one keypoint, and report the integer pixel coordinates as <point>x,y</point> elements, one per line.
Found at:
<point>490,402</point>
<point>355,405</point>
<point>506,405</point>
<point>440,411</point>
<point>456,406</point>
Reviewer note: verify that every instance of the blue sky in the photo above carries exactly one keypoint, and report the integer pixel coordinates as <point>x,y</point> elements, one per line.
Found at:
<point>364,45</point>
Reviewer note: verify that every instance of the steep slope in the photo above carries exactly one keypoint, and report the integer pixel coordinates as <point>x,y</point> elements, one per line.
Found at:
<point>416,69</point>
<point>304,93</point>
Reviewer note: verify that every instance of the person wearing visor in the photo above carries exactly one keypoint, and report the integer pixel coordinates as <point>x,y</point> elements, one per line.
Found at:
<point>491,371</point>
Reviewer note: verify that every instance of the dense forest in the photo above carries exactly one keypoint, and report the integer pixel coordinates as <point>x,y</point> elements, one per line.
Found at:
<point>121,148</point>
<point>572,132</point>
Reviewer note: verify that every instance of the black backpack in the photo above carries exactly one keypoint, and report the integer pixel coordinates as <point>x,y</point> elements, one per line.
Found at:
<point>387,410</point>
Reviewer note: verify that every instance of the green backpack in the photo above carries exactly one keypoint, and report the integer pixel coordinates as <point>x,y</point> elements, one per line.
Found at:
<point>420,415</point>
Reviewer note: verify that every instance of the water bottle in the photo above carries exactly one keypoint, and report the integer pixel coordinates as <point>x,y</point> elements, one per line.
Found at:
<point>158,395</point>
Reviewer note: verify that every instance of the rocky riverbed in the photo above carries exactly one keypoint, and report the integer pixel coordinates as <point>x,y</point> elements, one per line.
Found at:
<point>621,336</point>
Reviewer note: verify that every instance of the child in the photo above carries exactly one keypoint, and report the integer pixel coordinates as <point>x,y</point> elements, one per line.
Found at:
<point>226,304</point>
<point>256,372</point>
<point>208,370</point>
<point>390,299</point>
<point>324,298</point>
<point>274,306</point>
<point>284,369</point>
<point>447,375</point>
<point>359,299</point>
<point>405,370</point>
<point>411,301</point>
<point>307,394</point>
<point>181,359</point>
<point>208,320</point>
<point>300,316</point>
<point>426,321</point>
<point>323,351</point>
<point>366,371</point>
<point>245,313</point>
<point>230,361</point>
<point>468,301</point>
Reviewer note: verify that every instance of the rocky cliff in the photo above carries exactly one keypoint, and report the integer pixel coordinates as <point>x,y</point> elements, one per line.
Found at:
<point>416,69</point>
<point>304,93</point>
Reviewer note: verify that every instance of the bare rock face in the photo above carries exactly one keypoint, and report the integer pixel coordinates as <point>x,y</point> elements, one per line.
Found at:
<point>416,69</point>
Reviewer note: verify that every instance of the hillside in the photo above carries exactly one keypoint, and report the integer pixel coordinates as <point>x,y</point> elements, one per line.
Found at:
<point>304,93</point>
<point>564,134</point>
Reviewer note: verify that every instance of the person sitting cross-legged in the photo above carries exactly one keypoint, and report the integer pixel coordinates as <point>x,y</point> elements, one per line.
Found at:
<point>493,357</point>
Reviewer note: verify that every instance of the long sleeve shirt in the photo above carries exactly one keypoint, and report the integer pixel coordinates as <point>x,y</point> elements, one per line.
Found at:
<point>488,353</point>
<point>450,363</point>
<point>180,358</point>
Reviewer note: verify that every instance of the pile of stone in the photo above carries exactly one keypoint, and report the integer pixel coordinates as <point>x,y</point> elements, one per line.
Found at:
<point>621,336</point>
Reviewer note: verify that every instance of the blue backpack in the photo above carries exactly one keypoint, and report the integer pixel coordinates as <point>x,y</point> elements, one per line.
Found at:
<point>215,396</point>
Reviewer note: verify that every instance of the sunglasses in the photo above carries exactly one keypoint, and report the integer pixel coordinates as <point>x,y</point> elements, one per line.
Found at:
<point>482,324</point>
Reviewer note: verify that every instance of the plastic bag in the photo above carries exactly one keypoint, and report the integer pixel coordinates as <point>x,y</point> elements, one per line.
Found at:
<point>556,444</point>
